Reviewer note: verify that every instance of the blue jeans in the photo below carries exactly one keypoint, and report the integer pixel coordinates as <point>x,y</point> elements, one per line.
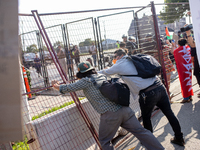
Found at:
<point>94,59</point>
<point>158,97</point>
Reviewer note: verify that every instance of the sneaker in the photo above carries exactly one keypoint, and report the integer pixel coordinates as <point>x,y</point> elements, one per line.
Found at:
<point>191,99</point>
<point>178,142</point>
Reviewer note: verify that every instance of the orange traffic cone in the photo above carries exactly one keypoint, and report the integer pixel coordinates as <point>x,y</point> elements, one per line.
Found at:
<point>27,84</point>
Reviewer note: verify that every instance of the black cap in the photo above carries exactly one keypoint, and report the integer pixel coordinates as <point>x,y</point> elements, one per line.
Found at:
<point>124,36</point>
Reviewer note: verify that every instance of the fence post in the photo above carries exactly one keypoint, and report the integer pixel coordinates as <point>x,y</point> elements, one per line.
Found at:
<point>159,46</point>
<point>101,56</point>
<point>137,31</point>
<point>98,57</point>
<point>70,71</point>
<point>64,76</point>
<point>42,57</point>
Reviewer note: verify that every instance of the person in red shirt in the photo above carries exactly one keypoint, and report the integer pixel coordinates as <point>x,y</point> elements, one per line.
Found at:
<point>182,57</point>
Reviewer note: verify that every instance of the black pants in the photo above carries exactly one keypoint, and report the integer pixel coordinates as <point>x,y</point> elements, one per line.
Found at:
<point>196,69</point>
<point>171,56</point>
<point>158,97</point>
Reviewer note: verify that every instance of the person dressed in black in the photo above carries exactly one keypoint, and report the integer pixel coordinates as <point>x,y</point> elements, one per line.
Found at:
<point>133,40</point>
<point>195,62</point>
<point>122,45</point>
<point>179,35</point>
<point>37,65</point>
<point>76,54</point>
<point>129,45</point>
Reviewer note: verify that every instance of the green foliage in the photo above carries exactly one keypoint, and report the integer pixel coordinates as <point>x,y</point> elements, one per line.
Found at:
<point>171,13</point>
<point>54,109</point>
<point>57,43</point>
<point>21,145</point>
<point>87,42</point>
<point>32,48</point>
<point>44,48</point>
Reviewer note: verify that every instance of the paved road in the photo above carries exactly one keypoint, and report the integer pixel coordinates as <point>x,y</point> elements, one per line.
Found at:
<point>188,115</point>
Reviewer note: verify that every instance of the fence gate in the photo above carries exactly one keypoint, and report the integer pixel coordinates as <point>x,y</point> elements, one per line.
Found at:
<point>111,28</point>
<point>70,126</point>
<point>148,35</point>
<point>81,33</point>
<point>55,121</point>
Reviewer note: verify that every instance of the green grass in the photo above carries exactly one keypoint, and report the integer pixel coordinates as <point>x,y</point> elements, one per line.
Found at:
<point>54,109</point>
<point>22,145</point>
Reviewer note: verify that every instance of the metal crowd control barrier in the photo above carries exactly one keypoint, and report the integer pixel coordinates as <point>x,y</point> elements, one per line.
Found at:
<point>68,121</point>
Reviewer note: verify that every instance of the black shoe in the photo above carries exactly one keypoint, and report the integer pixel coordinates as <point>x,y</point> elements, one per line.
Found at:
<point>198,95</point>
<point>185,101</point>
<point>178,142</point>
<point>191,99</point>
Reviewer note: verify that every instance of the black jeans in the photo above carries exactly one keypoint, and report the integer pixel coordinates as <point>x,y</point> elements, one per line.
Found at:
<point>158,97</point>
<point>196,69</point>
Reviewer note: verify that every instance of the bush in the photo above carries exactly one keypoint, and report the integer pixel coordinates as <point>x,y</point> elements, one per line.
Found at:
<point>21,145</point>
<point>54,109</point>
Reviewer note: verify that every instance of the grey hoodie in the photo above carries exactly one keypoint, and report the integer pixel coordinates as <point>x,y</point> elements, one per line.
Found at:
<point>124,66</point>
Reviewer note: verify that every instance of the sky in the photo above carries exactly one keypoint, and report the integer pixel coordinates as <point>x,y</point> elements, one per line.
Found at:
<point>53,6</point>
<point>50,6</point>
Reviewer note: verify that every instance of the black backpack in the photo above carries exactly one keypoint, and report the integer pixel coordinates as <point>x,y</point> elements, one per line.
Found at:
<point>115,91</point>
<point>147,66</point>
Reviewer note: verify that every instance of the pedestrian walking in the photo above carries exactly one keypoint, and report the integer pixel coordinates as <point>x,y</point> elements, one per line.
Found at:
<point>112,115</point>
<point>37,65</point>
<point>151,93</point>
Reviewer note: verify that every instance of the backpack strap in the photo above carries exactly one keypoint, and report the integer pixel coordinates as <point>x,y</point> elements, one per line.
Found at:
<point>130,75</point>
<point>93,81</point>
<point>97,83</point>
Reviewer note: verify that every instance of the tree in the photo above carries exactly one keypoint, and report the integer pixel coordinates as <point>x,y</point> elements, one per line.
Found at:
<point>44,48</point>
<point>171,13</point>
<point>32,48</point>
<point>56,44</point>
<point>87,42</point>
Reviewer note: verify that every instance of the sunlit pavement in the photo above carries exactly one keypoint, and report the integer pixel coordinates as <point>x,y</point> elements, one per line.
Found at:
<point>188,115</point>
